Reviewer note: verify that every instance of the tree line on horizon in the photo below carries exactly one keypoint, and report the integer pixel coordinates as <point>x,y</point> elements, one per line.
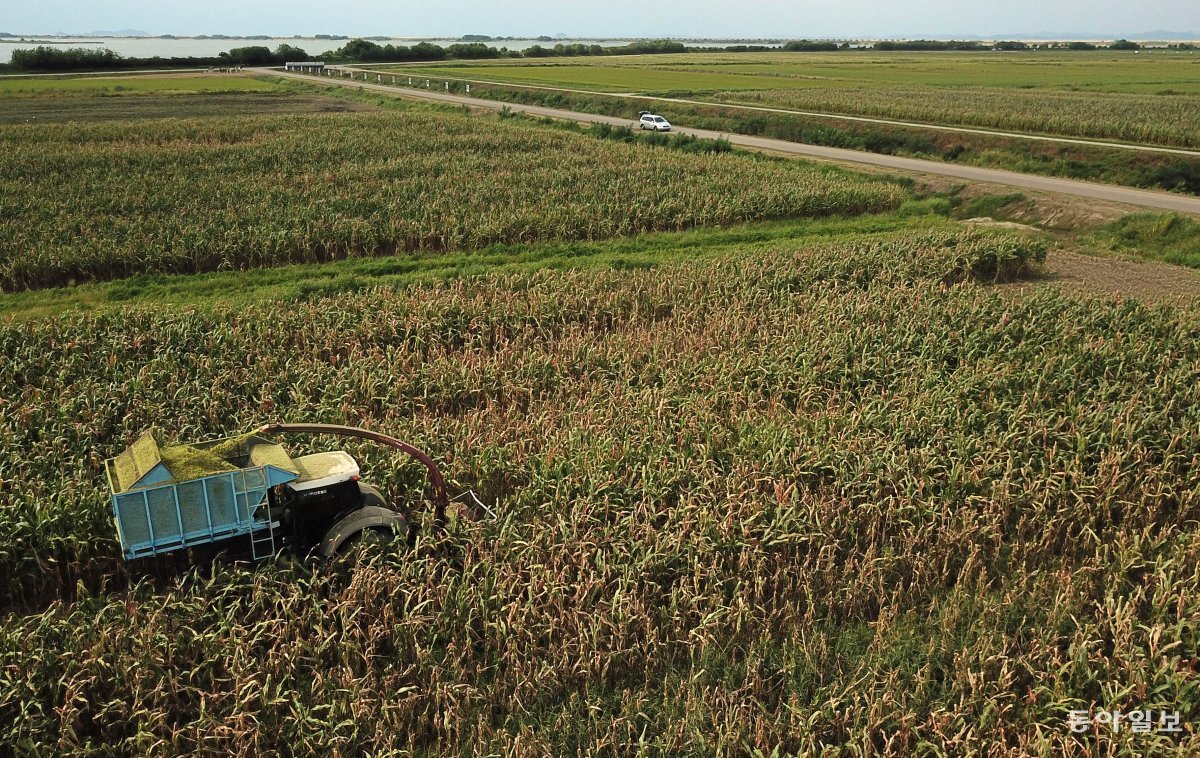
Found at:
<point>47,58</point>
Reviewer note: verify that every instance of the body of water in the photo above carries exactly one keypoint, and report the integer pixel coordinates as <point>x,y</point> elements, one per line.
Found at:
<point>188,47</point>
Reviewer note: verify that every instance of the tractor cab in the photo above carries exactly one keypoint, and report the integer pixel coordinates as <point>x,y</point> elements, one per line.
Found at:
<point>325,493</point>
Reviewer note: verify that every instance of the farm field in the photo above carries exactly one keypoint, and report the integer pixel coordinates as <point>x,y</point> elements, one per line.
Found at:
<point>119,98</point>
<point>1141,119</point>
<point>1145,99</point>
<point>652,76</point>
<point>1099,71</point>
<point>772,456</point>
<point>839,493</point>
<point>132,85</point>
<point>243,192</point>
<point>32,110</point>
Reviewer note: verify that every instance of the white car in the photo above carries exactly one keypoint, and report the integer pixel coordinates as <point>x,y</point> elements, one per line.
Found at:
<point>653,123</point>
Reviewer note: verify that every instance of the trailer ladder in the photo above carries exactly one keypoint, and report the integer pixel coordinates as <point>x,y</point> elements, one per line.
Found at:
<point>262,542</point>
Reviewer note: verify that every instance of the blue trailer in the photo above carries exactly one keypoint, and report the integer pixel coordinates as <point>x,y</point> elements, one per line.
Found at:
<point>158,510</point>
<point>166,499</point>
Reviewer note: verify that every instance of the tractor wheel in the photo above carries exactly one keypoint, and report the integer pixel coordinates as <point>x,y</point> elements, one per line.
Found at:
<point>371,496</point>
<point>371,537</point>
<point>369,525</point>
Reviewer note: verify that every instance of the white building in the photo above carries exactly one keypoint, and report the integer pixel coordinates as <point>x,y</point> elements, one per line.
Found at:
<point>308,67</point>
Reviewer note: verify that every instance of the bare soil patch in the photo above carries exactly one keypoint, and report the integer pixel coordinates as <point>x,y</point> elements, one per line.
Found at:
<point>1149,281</point>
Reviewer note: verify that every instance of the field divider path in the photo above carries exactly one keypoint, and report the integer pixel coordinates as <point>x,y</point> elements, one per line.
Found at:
<point>1108,192</point>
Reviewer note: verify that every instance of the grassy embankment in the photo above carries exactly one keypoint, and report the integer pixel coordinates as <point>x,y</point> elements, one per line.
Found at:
<point>1166,237</point>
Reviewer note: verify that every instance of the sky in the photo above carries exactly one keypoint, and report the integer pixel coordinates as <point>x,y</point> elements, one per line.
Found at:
<point>609,18</point>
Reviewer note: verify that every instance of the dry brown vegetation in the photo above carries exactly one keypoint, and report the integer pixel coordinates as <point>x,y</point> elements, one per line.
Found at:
<point>837,496</point>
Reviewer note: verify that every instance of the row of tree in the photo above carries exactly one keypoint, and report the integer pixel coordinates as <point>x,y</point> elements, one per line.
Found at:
<point>47,58</point>
<point>366,50</point>
<point>933,44</point>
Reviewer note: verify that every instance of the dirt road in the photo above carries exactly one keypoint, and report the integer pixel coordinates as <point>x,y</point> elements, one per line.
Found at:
<point>1109,192</point>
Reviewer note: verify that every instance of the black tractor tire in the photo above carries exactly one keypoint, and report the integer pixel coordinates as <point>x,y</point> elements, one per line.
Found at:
<point>371,524</point>
<point>372,496</point>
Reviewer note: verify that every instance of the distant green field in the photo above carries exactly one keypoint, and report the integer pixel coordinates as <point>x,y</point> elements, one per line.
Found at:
<point>1143,119</point>
<point>132,85</point>
<point>1106,72</point>
<point>606,78</point>
<point>1149,73</point>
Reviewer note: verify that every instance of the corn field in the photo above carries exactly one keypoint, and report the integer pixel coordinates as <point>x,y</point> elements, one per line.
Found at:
<point>836,496</point>
<point>82,202</point>
<point>1150,119</point>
